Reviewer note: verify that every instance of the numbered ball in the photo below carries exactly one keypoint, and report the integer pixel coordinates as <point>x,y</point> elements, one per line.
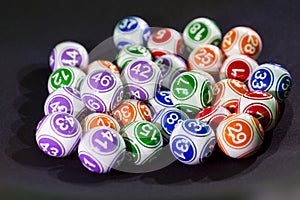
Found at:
<point>131,53</point>
<point>208,58</point>
<point>167,119</point>
<point>171,66</point>
<point>101,149</point>
<point>132,110</point>
<point>142,79</point>
<point>103,64</point>
<point>102,91</point>
<point>99,120</point>
<point>143,141</point>
<point>191,92</point>
<point>238,67</point>
<point>201,31</point>
<point>272,78</point>
<point>210,78</point>
<point>65,77</point>
<point>161,100</point>
<point>192,142</point>
<point>240,135</point>
<point>262,105</point>
<point>227,93</point>
<point>58,134</point>
<point>67,100</point>
<point>67,54</point>
<point>165,41</point>
<point>213,115</point>
<point>131,30</point>
<point>242,40</point>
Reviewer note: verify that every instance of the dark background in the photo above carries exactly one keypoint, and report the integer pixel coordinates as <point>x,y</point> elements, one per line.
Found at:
<point>30,29</point>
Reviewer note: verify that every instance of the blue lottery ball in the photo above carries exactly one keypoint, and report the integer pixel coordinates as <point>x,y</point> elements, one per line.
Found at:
<point>272,78</point>
<point>161,100</point>
<point>167,119</point>
<point>192,141</point>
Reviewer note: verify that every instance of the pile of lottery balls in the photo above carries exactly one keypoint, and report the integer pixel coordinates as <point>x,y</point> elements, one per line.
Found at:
<point>151,96</point>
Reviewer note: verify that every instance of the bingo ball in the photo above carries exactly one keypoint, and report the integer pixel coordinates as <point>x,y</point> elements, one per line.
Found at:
<point>102,91</point>
<point>240,135</point>
<point>143,142</point>
<point>67,54</point>
<point>66,77</point>
<point>171,66</point>
<point>142,79</point>
<point>58,134</point>
<point>201,31</point>
<point>99,120</point>
<point>272,78</point>
<point>131,53</point>
<point>192,142</point>
<point>165,41</point>
<point>167,119</point>
<point>132,110</point>
<point>262,105</point>
<point>238,67</point>
<point>242,40</point>
<point>213,115</point>
<point>101,149</point>
<point>227,93</point>
<point>103,64</point>
<point>210,78</point>
<point>191,92</point>
<point>208,58</point>
<point>131,30</point>
<point>161,100</point>
<point>65,99</point>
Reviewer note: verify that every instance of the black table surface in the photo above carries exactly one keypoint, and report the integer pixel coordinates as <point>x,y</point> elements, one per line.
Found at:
<point>30,29</point>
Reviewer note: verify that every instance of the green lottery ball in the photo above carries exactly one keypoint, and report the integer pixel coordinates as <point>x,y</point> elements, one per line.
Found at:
<point>201,31</point>
<point>143,141</point>
<point>191,92</point>
<point>66,76</point>
<point>131,53</point>
<point>192,142</point>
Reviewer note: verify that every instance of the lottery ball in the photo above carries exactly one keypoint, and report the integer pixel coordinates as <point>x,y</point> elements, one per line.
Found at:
<point>102,91</point>
<point>58,134</point>
<point>132,110</point>
<point>142,79</point>
<point>210,78</point>
<point>201,31</point>
<point>262,105</point>
<point>272,78</point>
<point>131,30</point>
<point>240,135</point>
<point>101,149</point>
<point>167,119</point>
<point>103,64</point>
<point>131,53</point>
<point>99,120</point>
<point>67,54</point>
<point>143,142</point>
<point>192,142</point>
<point>242,40</point>
<point>208,58</point>
<point>161,100</point>
<point>66,77</point>
<point>238,67</point>
<point>213,115</point>
<point>171,66</point>
<point>191,92</point>
<point>165,41</point>
<point>65,99</point>
<point>227,93</point>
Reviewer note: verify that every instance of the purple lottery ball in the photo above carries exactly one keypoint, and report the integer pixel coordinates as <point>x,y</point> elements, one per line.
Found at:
<point>141,71</point>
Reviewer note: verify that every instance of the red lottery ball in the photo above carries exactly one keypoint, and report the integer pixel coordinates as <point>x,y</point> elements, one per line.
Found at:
<point>213,115</point>
<point>262,105</point>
